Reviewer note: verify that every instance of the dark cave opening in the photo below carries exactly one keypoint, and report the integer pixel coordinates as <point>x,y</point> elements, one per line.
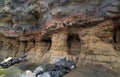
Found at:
<point>48,43</point>
<point>116,34</point>
<point>74,44</point>
<point>116,38</point>
<point>1,44</point>
<point>116,30</point>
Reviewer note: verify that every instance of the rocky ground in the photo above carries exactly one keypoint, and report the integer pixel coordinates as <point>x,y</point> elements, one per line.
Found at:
<point>85,31</point>
<point>92,71</point>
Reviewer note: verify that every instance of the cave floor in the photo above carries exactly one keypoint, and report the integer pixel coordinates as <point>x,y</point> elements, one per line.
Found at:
<point>92,71</point>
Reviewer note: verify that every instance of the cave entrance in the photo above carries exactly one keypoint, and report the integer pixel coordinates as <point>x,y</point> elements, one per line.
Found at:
<point>116,38</point>
<point>47,42</point>
<point>74,44</point>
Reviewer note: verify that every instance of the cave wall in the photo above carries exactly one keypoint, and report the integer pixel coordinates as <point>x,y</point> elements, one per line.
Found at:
<point>92,45</point>
<point>98,47</point>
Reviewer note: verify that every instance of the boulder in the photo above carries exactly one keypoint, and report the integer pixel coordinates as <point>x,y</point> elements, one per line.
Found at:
<point>58,59</point>
<point>57,73</point>
<point>40,69</point>
<point>46,74</point>
<point>40,75</point>
<point>28,73</point>
<point>11,61</point>
<point>62,69</point>
<point>66,64</point>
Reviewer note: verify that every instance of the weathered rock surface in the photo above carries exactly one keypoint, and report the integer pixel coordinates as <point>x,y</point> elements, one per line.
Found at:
<point>86,31</point>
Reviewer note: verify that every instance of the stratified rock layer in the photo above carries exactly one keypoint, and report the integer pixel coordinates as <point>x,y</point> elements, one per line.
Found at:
<point>86,31</point>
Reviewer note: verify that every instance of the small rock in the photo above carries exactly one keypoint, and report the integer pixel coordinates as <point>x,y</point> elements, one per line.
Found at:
<point>56,73</point>
<point>40,69</point>
<point>72,67</point>
<point>40,75</point>
<point>62,69</point>
<point>28,73</point>
<point>46,74</point>
<point>67,64</point>
<point>55,60</point>
<point>70,64</point>
<point>50,67</point>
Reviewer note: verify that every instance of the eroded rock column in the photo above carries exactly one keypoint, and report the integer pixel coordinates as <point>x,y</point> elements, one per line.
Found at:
<point>59,45</point>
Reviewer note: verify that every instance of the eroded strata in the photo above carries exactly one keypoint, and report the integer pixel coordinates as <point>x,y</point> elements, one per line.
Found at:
<point>86,31</point>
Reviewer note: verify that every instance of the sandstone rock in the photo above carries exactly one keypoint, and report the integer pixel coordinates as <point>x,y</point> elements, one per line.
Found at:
<point>86,31</point>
